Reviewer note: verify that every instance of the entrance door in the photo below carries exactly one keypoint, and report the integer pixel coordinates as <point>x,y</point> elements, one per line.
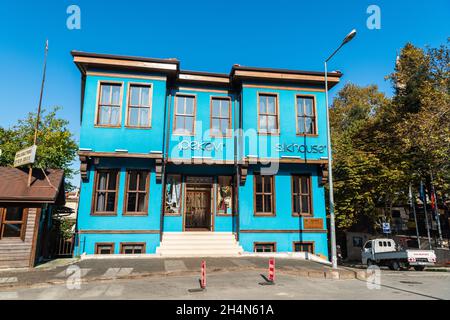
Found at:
<point>198,209</point>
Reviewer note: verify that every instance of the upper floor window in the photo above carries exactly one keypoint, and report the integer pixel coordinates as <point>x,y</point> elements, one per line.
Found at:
<point>264,195</point>
<point>139,106</point>
<point>301,195</point>
<point>220,116</point>
<point>105,195</point>
<point>136,193</point>
<point>184,114</point>
<point>109,104</point>
<point>306,115</point>
<point>268,113</point>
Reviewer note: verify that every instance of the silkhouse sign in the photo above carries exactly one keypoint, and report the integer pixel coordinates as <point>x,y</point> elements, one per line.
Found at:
<point>299,148</point>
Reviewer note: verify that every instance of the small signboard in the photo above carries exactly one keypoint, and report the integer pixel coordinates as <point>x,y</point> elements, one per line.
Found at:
<point>386,227</point>
<point>313,223</point>
<point>25,156</point>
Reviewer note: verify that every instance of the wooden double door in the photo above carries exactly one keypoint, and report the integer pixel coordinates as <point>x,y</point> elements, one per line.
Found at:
<point>198,208</point>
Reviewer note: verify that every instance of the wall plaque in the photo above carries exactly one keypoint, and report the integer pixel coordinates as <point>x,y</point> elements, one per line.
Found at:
<point>312,223</point>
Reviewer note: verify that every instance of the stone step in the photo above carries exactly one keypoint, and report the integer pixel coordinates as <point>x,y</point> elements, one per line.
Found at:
<point>196,240</point>
<point>199,243</point>
<point>198,236</point>
<point>200,251</point>
<point>197,254</point>
<point>203,234</point>
<point>166,246</point>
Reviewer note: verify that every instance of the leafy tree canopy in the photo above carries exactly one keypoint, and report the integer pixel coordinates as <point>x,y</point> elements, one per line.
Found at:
<point>56,145</point>
<point>380,145</point>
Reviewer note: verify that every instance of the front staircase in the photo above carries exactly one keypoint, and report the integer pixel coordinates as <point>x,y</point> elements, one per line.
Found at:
<point>199,244</point>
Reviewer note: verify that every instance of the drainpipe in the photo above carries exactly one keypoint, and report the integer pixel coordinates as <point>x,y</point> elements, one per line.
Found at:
<point>238,162</point>
<point>166,131</point>
<point>236,168</point>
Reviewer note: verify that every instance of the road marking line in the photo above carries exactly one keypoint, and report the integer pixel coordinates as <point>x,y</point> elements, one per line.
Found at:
<point>174,265</point>
<point>117,272</point>
<point>8,280</point>
<point>83,271</point>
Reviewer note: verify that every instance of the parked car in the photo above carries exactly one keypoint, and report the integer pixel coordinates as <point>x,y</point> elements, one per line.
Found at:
<point>385,252</point>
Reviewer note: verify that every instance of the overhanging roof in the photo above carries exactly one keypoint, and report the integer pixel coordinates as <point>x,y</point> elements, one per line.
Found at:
<point>239,72</point>
<point>86,60</point>
<point>171,67</point>
<point>14,185</point>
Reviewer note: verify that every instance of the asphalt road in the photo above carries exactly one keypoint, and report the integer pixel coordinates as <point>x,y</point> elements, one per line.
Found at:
<point>245,285</point>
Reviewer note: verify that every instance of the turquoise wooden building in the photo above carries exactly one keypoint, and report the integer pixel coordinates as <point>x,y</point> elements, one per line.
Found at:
<point>179,162</point>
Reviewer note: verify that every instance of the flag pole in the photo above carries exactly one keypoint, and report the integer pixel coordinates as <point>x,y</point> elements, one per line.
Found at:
<point>424,199</point>
<point>412,201</point>
<point>436,211</point>
<point>36,128</point>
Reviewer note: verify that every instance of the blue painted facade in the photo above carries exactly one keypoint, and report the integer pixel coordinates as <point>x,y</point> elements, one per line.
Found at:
<point>199,158</point>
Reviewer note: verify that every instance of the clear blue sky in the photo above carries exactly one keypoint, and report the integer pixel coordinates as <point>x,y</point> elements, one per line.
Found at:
<point>207,35</point>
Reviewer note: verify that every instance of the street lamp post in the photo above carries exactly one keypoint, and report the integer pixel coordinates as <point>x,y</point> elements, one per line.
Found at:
<point>347,39</point>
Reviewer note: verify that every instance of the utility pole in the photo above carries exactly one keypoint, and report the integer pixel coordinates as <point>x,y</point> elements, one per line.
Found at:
<point>412,202</point>
<point>36,128</point>
<point>347,39</point>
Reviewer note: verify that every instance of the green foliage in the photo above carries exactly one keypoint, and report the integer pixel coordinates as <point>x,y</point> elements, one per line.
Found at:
<point>56,145</point>
<point>380,145</point>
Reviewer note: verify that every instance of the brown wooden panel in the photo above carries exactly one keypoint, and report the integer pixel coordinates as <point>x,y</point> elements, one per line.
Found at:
<point>313,223</point>
<point>16,252</point>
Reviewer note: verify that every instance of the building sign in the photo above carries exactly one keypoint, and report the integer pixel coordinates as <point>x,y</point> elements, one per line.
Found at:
<point>386,227</point>
<point>25,156</point>
<point>299,148</point>
<point>200,145</point>
<point>312,223</point>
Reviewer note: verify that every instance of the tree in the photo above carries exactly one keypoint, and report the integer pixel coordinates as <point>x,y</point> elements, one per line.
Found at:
<point>56,146</point>
<point>359,173</point>
<point>419,122</point>
<point>380,145</point>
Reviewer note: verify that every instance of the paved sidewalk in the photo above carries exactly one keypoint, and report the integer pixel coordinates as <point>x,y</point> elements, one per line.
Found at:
<point>57,272</point>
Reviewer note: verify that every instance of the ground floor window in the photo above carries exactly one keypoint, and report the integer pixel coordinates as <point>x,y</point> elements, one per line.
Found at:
<point>265,247</point>
<point>304,247</point>
<point>264,195</point>
<point>136,193</point>
<point>12,222</point>
<point>301,195</point>
<point>132,248</point>
<point>225,192</point>
<point>172,195</point>
<point>104,248</point>
<point>106,188</point>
